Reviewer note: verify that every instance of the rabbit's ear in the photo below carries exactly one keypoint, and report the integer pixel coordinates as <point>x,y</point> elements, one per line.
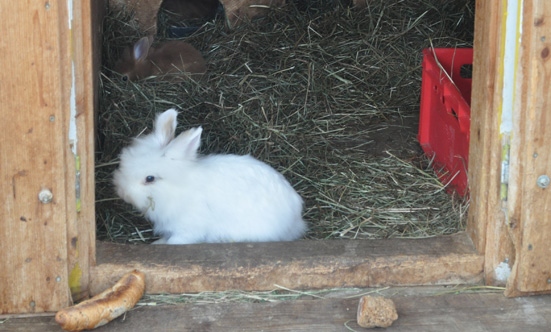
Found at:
<point>185,146</point>
<point>141,48</point>
<point>165,126</point>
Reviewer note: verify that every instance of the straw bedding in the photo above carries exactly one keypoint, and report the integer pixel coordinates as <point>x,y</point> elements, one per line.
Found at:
<point>325,93</point>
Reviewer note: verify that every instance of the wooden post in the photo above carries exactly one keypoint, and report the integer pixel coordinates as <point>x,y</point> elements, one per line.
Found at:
<point>486,222</point>
<point>86,40</point>
<point>529,196</point>
<point>509,217</point>
<point>46,143</point>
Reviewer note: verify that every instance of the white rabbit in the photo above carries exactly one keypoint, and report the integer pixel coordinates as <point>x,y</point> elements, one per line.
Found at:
<point>215,198</point>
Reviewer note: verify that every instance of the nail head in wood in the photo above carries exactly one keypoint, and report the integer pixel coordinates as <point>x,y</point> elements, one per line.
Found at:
<point>45,196</point>
<point>543,181</point>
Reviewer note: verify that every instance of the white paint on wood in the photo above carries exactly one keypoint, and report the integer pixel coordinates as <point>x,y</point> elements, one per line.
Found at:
<point>503,271</point>
<point>513,35</point>
<point>73,137</point>
<point>70,11</point>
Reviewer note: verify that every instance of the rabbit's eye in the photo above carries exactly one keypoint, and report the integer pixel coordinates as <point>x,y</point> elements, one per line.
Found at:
<point>125,78</point>
<point>149,179</point>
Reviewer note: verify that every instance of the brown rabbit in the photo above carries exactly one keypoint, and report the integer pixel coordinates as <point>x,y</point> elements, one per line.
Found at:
<point>171,57</point>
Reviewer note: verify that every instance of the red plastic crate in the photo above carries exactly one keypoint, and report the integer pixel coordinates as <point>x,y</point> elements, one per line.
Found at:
<point>445,119</point>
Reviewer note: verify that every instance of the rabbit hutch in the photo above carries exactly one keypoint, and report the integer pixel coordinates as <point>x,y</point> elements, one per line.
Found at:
<point>50,87</point>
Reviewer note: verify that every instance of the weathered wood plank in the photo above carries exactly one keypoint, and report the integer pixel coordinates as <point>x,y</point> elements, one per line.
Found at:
<point>81,230</point>
<point>33,144</point>
<point>486,221</point>
<point>529,206</point>
<point>47,144</point>
<point>467,312</point>
<point>299,264</point>
<point>451,312</point>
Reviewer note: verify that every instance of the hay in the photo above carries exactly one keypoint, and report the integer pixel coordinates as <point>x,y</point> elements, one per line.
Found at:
<point>238,296</point>
<point>279,294</point>
<point>326,94</point>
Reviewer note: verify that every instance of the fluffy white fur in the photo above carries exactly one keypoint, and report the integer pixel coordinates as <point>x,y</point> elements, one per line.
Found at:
<point>213,198</point>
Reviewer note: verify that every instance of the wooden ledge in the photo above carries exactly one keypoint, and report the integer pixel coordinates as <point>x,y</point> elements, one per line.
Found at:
<point>416,312</point>
<point>302,264</point>
<point>419,309</point>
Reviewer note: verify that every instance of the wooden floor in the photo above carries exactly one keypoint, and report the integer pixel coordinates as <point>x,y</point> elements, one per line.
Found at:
<point>419,309</point>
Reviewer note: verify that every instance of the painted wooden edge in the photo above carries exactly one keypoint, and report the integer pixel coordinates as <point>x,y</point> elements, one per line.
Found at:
<point>80,150</point>
<point>486,219</point>
<point>299,265</point>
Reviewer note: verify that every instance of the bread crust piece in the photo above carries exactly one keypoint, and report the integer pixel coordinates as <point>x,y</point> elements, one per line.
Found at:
<point>104,307</point>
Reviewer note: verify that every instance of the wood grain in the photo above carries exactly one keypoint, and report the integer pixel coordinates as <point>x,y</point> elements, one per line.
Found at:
<point>530,206</point>
<point>33,238</point>
<point>298,264</point>
<point>474,312</point>
<point>486,220</point>
<point>46,93</point>
<point>81,229</point>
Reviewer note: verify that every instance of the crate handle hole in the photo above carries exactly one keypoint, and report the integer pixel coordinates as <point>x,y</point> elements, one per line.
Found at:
<point>466,71</point>
<point>454,113</point>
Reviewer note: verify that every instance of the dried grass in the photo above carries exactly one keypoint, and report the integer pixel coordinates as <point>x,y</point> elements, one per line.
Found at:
<point>279,294</point>
<point>326,94</point>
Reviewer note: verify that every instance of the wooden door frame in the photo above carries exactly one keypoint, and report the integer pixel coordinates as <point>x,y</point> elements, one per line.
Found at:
<point>47,91</point>
<point>481,253</point>
<point>510,148</point>
<point>510,53</point>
